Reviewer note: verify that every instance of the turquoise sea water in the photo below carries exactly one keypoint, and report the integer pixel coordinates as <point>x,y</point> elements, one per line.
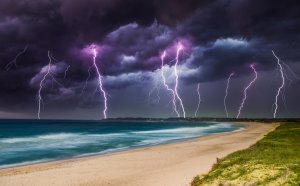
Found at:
<point>31,141</point>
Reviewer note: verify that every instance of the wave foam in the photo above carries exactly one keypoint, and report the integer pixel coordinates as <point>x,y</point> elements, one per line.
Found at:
<point>58,136</point>
<point>24,163</point>
<point>186,129</point>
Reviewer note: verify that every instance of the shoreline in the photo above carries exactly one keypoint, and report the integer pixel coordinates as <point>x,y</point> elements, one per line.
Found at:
<point>140,166</point>
<point>99,154</point>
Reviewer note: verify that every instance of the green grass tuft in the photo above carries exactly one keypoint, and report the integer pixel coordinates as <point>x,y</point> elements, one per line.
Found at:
<point>274,160</point>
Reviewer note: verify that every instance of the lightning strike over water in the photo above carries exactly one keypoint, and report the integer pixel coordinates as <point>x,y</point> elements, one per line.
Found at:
<point>14,61</point>
<point>245,91</point>
<point>226,93</point>
<point>40,99</point>
<point>67,69</point>
<point>281,86</point>
<point>166,85</point>
<point>179,48</point>
<point>95,54</point>
<point>199,99</point>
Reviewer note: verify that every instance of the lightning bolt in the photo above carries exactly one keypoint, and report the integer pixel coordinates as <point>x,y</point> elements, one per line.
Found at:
<point>95,54</point>
<point>50,74</point>
<point>281,86</point>
<point>226,93</point>
<point>40,99</point>
<point>67,69</point>
<point>199,99</point>
<point>245,91</point>
<point>162,57</point>
<point>287,72</point>
<point>179,48</point>
<point>14,61</point>
<point>283,95</point>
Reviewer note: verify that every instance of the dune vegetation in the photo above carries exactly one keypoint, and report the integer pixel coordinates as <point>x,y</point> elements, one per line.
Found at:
<point>274,160</point>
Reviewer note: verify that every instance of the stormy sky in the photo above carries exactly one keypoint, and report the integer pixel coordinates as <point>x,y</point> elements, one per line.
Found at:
<point>218,37</point>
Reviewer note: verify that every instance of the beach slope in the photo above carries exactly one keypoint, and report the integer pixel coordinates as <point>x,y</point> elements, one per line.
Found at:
<point>170,164</point>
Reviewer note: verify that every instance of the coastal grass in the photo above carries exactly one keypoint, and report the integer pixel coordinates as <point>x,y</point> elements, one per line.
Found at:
<point>274,160</point>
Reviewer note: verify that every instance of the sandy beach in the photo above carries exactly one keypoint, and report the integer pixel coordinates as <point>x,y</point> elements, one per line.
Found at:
<point>164,165</point>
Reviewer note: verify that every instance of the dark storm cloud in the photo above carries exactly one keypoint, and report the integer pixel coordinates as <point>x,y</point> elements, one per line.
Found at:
<point>60,24</point>
<point>226,36</point>
<point>220,29</point>
<point>135,47</point>
<point>218,59</point>
<point>275,22</point>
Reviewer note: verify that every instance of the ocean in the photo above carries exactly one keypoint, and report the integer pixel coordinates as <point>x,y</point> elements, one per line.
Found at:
<point>25,142</point>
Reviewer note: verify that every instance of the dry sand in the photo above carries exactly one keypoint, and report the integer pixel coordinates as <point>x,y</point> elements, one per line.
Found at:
<point>163,165</point>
